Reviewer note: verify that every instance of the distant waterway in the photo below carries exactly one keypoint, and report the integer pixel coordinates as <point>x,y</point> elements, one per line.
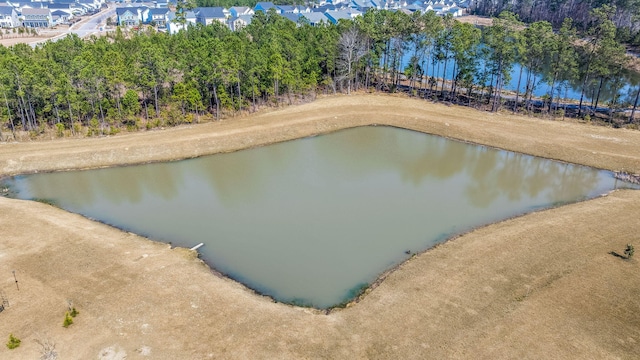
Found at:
<point>313,221</point>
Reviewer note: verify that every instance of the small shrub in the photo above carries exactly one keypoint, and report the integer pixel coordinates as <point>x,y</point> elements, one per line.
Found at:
<point>13,342</point>
<point>77,127</point>
<point>60,129</point>
<point>629,251</point>
<point>74,312</point>
<point>68,320</point>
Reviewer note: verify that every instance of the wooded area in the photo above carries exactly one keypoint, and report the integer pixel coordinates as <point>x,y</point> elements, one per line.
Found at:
<point>148,79</point>
<point>623,13</point>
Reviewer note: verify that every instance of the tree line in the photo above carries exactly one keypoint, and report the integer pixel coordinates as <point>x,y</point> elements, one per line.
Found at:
<point>623,13</point>
<point>148,79</point>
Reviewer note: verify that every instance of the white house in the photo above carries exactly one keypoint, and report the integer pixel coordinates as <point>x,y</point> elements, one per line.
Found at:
<point>8,17</point>
<point>236,11</point>
<point>239,22</point>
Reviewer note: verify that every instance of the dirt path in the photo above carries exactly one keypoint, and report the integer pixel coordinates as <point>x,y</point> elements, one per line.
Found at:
<point>539,286</point>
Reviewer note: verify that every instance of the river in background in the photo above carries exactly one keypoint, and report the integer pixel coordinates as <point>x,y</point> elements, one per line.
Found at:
<point>313,221</point>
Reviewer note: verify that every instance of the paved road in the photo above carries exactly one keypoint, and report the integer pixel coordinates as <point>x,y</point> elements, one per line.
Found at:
<point>92,25</point>
<point>84,28</point>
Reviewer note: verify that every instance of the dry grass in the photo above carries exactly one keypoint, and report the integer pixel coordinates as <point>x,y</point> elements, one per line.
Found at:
<point>539,286</point>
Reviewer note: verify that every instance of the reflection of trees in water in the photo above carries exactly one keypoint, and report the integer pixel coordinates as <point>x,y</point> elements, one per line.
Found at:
<point>482,190</point>
<point>517,175</point>
<point>242,176</point>
<point>122,184</point>
<point>572,182</point>
<point>372,150</point>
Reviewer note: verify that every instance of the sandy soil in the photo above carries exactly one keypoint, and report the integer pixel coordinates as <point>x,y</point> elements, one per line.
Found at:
<point>539,286</point>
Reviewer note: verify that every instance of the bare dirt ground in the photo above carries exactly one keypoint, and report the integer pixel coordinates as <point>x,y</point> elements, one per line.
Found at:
<point>542,285</point>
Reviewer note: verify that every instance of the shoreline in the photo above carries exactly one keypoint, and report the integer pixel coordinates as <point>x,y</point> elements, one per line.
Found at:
<point>424,307</point>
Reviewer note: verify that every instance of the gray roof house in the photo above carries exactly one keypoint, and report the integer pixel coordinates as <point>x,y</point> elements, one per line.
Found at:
<point>36,18</point>
<point>8,17</point>
<point>315,18</point>
<point>287,9</point>
<point>239,22</point>
<point>291,16</point>
<point>60,17</point>
<point>159,16</point>
<point>236,11</point>
<point>207,15</point>
<point>61,7</point>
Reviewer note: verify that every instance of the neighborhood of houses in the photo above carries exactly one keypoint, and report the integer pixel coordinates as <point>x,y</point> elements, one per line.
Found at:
<point>43,14</point>
<point>161,13</point>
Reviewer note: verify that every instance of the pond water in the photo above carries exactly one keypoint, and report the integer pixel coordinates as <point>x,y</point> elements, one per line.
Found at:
<point>313,221</point>
<point>565,89</point>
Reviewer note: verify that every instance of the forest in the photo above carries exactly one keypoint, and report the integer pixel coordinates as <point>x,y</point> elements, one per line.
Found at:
<point>625,13</point>
<point>148,79</point>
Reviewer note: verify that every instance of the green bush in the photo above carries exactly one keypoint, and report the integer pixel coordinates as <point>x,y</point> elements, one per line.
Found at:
<point>629,251</point>
<point>60,129</point>
<point>74,312</point>
<point>13,342</point>
<point>68,320</point>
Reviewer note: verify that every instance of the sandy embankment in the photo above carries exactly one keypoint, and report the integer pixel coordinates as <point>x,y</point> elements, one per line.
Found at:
<point>539,286</point>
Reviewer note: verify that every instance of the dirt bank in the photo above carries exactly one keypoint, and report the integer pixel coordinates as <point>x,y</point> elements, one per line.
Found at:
<point>539,286</point>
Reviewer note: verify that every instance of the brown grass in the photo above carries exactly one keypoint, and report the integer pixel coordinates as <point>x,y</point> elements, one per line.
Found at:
<point>539,286</point>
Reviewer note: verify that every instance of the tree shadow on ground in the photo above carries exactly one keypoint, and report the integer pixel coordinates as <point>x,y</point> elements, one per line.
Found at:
<point>618,255</point>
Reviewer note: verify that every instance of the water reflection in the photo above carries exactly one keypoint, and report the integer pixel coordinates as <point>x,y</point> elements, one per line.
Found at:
<point>311,220</point>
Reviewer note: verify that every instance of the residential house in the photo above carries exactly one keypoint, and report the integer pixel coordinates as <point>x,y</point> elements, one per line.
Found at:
<point>335,16</point>
<point>239,22</point>
<point>173,27</point>
<point>162,4</point>
<point>159,17</point>
<point>60,17</point>
<point>127,16</point>
<point>19,5</point>
<point>455,11</point>
<point>8,17</point>
<point>90,5</point>
<point>287,9</point>
<point>236,11</point>
<point>61,7</point>
<point>207,15</point>
<point>132,16</point>
<point>303,9</point>
<point>415,7</point>
<point>264,6</point>
<point>291,16</point>
<point>315,18</point>
<point>36,18</point>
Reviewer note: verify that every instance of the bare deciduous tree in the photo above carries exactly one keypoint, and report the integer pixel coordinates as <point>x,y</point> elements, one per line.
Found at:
<point>351,48</point>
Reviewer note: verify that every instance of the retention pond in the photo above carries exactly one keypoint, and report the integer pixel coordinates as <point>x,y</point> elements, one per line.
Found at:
<point>314,221</point>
